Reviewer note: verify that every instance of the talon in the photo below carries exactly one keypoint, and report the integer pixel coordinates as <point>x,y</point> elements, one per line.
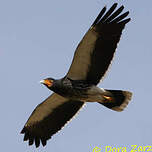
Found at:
<point>108,98</point>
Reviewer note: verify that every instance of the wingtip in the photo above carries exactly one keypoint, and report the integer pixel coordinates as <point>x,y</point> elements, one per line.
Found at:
<point>36,146</point>
<point>37,142</point>
<point>31,141</point>
<point>121,7</point>
<point>26,137</point>
<point>43,141</point>
<point>127,12</point>
<point>115,5</point>
<point>105,7</point>
<point>99,16</point>
<point>124,22</point>
<point>22,131</point>
<point>128,20</point>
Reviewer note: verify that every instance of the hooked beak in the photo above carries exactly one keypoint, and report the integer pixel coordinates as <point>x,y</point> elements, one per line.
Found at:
<point>47,82</point>
<point>42,81</point>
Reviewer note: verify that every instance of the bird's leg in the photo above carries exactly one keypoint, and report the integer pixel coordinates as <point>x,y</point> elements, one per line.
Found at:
<point>108,99</point>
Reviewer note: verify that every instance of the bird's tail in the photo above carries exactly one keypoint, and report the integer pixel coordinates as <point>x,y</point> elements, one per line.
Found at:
<point>118,99</point>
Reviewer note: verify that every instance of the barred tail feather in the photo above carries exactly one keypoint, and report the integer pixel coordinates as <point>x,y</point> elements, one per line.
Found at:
<point>118,101</point>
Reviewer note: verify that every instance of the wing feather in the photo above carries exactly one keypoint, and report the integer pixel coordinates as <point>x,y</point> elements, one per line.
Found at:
<point>109,12</point>
<point>48,118</point>
<point>96,50</point>
<point>115,14</point>
<point>99,16</point>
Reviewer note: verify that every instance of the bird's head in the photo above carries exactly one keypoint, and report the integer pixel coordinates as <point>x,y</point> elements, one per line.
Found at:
<point>48,82</point>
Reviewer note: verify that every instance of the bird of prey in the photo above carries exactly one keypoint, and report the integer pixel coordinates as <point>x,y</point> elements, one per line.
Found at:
<point>91,60</point>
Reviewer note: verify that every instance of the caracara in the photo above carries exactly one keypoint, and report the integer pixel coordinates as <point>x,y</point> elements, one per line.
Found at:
<point>91,61</point>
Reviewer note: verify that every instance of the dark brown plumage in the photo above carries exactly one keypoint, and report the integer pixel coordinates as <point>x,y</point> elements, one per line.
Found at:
<point>91,60</point>
<point>96,50</point>
<point>48,118</point>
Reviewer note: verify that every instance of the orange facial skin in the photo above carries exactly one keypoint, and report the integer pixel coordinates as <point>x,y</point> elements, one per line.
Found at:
<point>49,83</point>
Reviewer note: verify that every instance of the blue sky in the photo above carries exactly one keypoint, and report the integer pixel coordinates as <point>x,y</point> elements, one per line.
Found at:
<point>38,39</point>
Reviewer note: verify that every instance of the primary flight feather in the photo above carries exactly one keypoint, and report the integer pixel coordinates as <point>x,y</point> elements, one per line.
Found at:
<point>91,61</point>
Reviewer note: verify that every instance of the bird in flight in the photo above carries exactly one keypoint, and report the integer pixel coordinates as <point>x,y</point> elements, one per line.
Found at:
<point>91,60</point>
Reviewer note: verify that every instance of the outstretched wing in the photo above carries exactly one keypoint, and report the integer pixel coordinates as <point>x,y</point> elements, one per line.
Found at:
<point>95,51</point>
<point>48,118</point>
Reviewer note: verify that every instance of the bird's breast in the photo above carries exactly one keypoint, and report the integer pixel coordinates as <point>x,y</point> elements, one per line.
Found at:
<point>72,92</point>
